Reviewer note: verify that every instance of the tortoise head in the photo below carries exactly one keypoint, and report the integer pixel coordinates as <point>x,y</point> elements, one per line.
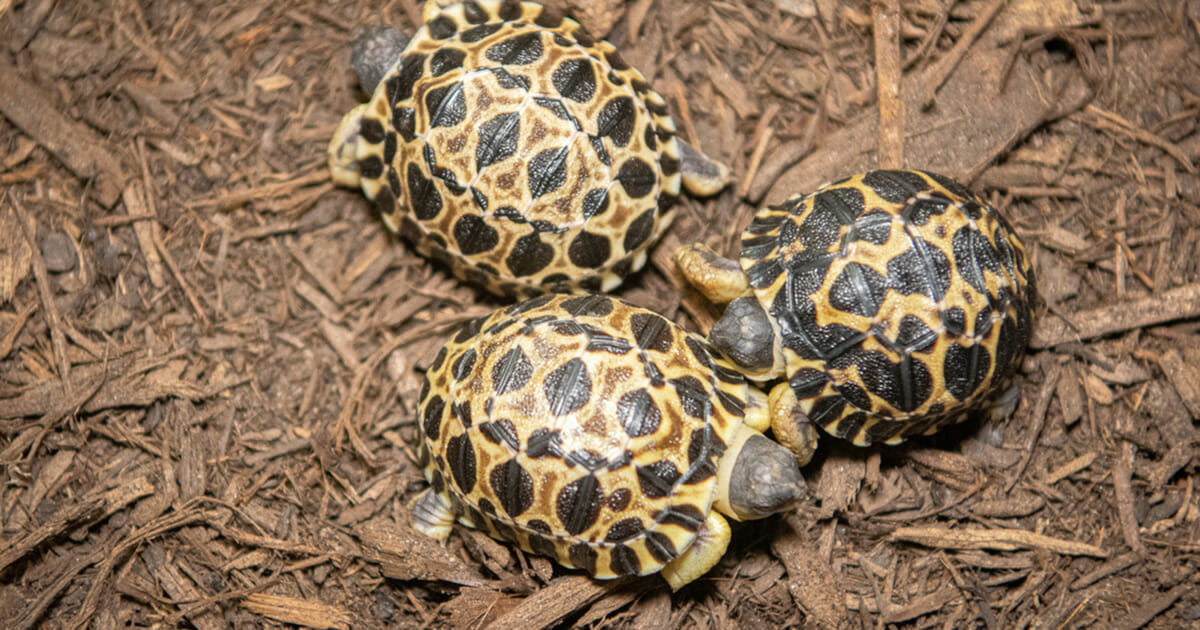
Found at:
<point>746,334</point>
<point>375,49</point>
<point>758,477</point>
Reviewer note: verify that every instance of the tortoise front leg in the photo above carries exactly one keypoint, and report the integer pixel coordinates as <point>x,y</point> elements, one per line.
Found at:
<point>790,424</point>
<point>701,555</point>
<point>720,279</point>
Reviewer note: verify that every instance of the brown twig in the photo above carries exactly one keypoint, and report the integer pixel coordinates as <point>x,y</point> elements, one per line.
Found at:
<point>763,132</point>
<point>1122,478</point>
<point>787,155</point>
<point>932,34</point>
<point>1178,303</point>
<point>175,271</point>
<point>49,309</point>
<point>938,71</point>
<point>1102,119</point>
<point>886,16</point>
<point>1000,539</point>
<point>1039,419</point>
<point>265,191</point>
<point>116,219</point>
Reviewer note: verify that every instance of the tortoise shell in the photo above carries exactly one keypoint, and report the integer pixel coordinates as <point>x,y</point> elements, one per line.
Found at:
<point>902,301</point>
<point>581,428</point>
<point>508,144</point>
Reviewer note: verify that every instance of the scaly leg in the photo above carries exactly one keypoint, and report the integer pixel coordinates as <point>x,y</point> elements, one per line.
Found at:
<point>432,515</point>
<point>790,424</point>
<point>702,555</point>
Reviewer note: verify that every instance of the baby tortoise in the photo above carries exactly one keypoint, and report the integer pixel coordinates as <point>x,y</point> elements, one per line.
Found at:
<point>599,434</point>
<point>503,141</point>
<point>892,303</point>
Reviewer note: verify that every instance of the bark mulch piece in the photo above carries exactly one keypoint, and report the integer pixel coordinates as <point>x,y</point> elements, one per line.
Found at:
<point>210,355</point>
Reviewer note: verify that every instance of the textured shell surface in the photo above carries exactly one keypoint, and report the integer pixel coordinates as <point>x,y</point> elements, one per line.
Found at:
<point>902,300</point>
<point>524,155</point>
<point>582,428</point>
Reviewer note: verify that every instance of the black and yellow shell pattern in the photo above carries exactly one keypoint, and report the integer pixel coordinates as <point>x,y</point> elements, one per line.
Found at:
<point>581,428</point>
<point>523,154</point>
<point>902,301</point>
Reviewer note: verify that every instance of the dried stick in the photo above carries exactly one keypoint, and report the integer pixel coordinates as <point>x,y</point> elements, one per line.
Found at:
<point>1000,539</point>
<point>886,14</point>
<point>1178,303</point>
<point>937,72</point>
<point>53,319</point>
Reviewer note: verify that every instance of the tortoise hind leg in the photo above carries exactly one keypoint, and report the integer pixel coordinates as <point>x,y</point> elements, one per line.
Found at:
<point>1005,404</point>
<point>432,515</point>
<point>710,544</point>
<point>343,149</point>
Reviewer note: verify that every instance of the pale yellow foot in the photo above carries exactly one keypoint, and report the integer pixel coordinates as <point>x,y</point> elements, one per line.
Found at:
<point>343,149</point>
<point>432,515</point>
<point>702,555</point>
<point>790,424</point>
<point>758,407</point>
<point>720,279</point>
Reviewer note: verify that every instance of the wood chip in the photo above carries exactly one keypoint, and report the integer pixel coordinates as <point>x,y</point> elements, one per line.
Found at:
<point>813,584</point>
<point>134,196</point>
<point>1069,468</point>
<point>1063,240</point>
<point>550,605</point>
<point>1184,377</point>
<point>1122,479</point>
<point>273,82</point>
<point>1070,395</point>
<point>37,113</point>
<point>342,341</point>
<point>921,606</point>
<point>301,612</point>
<point>405,554</point>
<point>733,91</point>
<point>16,263</point>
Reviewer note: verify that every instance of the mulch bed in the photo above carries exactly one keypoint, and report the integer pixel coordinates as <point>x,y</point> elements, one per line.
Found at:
<point>209,355</point>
